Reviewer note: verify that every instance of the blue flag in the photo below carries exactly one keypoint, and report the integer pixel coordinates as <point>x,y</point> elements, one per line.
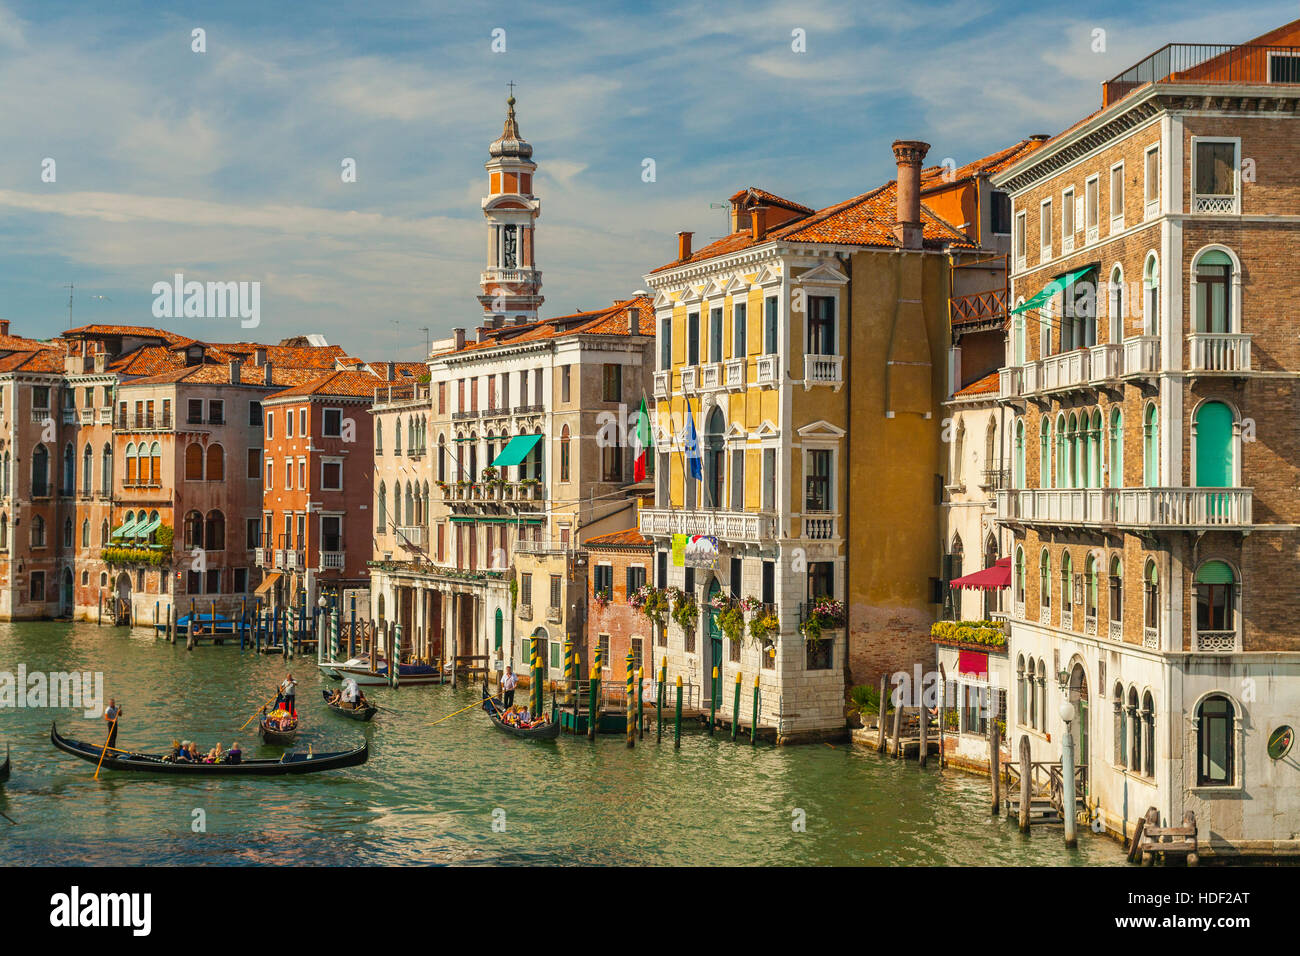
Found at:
<point>693,446</point>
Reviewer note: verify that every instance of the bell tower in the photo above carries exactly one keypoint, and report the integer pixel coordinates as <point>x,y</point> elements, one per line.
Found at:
<point>511,282</point>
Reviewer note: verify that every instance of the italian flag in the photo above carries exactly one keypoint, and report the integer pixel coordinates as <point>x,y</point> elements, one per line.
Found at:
<point>642,440</point>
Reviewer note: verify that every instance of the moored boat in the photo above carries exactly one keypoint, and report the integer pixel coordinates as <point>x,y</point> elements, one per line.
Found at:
<point>547,731</point>
<point>4,767</point>
<point>408,675</point>
<point>356,713</point>
<point>205,625</point>
<point>291,763</point>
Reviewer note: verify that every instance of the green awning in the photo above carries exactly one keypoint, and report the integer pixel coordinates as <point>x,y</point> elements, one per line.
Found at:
<point>147,527</point>
<point>482,519</point>
<point>1214,572</point>
<point>1046,292</point>
<point>127,528</point>
<point>516,450</point>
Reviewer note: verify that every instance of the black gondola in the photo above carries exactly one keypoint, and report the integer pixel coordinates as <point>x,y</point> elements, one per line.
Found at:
<point>4,767</point>
<point>356,713</point>
<point>154,763</point>
<point>548,732</point>
<point>278,737</point>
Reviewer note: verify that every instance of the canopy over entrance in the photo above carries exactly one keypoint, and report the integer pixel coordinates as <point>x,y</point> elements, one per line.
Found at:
<point>990,579</point>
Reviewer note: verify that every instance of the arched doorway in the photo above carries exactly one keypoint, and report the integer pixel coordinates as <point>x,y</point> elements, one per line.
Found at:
<point>122,602</point>
<point>65,593</point>
<point>1078,690</point>
<point>715,647</point>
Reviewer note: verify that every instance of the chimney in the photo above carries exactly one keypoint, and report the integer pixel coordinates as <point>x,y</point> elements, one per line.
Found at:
<point>633,320</point>
<point>684,246</point>
<point>758,223</point>
<point>458,338</point>
<point>4,326</point>
<point>484,333</point>
<point>390,371</point>
<point>235,366</point>
<point>259,356</point>
<point>266,373</point>
<point>909,154</point>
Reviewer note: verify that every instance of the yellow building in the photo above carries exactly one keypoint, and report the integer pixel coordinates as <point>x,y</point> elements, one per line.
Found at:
<point>806,353</point>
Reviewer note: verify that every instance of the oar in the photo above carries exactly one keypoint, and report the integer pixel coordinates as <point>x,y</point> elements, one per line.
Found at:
<point>387,710</point>
<point>105,748</point>
<point>8,817</point>
<point>477,703</point>
<point>256,713</point>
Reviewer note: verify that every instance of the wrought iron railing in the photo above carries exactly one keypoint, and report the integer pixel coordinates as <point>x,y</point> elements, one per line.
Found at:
<point>1216,63</point>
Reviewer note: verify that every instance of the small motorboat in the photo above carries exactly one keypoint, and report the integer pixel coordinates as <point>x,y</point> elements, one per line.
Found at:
<point>205,625</point>
<point>408,675</point>
<point>331,668</point>
<point>547,731</point>
<point>347,710</point>
<point>290,763</point>
<point>278,727</point>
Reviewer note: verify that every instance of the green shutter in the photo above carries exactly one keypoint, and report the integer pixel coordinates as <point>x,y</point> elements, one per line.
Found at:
<point>1213,446</point>
<point>1214,572</point>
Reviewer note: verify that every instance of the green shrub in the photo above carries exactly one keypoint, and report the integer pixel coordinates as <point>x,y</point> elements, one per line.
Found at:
<point>980,633</point>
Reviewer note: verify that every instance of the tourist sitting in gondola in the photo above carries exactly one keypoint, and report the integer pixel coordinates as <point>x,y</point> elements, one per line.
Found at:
<point>215,754</point>
<point>234,754</point>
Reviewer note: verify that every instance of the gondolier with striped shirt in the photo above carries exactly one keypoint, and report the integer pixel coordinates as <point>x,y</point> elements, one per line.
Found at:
<point>111,714</point>
<point>288,691</point>
<point>508,684</point>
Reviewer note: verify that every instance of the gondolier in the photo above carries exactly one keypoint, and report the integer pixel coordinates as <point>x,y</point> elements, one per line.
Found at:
<point>112,713</point>
<point>288,691</point>
<point>508,684</point>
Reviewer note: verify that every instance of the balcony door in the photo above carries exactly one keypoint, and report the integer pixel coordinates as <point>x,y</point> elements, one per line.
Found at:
<point>1214,458</point>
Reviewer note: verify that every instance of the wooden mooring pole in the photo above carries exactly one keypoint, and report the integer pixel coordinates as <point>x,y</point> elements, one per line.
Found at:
<point>1025,795</point>
<point>883,708</point>
<point>924,726</point>
<point>898,730</point>
<point>995,762</point>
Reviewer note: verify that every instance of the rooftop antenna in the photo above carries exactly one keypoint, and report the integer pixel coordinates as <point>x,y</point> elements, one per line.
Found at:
<point>425,330</point>
<point>726,219</point>
<point>69,288</point>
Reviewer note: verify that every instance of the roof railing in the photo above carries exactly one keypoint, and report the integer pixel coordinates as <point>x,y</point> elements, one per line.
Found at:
<point>1245,63</point>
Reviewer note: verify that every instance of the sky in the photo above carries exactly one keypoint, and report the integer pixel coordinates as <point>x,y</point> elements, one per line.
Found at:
<point>225,165</point>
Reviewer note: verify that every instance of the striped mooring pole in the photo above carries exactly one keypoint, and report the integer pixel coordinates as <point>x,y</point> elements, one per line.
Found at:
<point>659,699</point>
<point>631,723</point>
<point>753,728</point>
<point>569,672</point>
<point>713,700</point>
<point>735,709</point>
<point>592,717</point>
<point>640,702</point>
<point>677,730</point>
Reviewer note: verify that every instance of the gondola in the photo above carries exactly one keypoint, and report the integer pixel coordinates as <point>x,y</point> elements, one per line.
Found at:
<point>280,737</point>
<point>4,767</point>
<point>154,763</point>
<point>356,713</point>
<point>548,732</point>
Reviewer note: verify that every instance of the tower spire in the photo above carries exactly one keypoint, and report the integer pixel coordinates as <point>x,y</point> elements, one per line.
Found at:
<point>511,283</point>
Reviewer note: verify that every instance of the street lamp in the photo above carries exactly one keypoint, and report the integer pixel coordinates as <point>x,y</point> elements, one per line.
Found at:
<point>1067,773</point>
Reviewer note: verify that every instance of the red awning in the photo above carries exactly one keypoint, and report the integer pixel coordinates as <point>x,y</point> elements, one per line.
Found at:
<point>990,579</point>
<point>973,662</point>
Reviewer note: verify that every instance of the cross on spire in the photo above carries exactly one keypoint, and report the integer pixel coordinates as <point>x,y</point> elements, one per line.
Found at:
<point>511,84</point>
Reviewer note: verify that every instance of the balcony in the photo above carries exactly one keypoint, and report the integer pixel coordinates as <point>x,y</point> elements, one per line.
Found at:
<point>525,612</point>
<point>1010,382</point>
<point>86,416</point>
<point>40,416</point>
<point>690,378</point>
<point>529,409</point>
<point>735,374</point>
<point>710,376</point>
<point>295,561</point>
<point>979,310</point>
<point>1105,362</point>
<point>279,558</point>
<point>464,415</point>
<point>543,546</point>
<point>106,415</point>
<point>766,370</point>
<point>552,615</point>
<point>1217,642</point>
<point>1222,353</point>
<point>259,557</point>
<point>1068,370</point>
<point>663,385</point>
<point>412,535</point>
<point>739,526</point>
<point>820,527</point>
<point>1173,508</point>
<point>402,395</point>
<point>823,370</point>
<point>1141,355</point>
<point>331,560</point>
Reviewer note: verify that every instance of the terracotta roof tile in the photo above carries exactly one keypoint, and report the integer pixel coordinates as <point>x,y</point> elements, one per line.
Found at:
<point>631,538</point>
<point>770,199</point>
<point>341,383</point>
<point>933,178</point>
<point>988,385</point>
<point>611,320</point>
<point>36,360</point>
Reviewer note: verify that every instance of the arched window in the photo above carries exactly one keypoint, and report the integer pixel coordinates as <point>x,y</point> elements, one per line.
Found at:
<point>1134,731</point>
<point>425,519</point>
<point>1117,447</point>
<point>193,461</point>
<point>397,435</point>
<point>1094,446</point>
<point>40,472</point>
<point>564,453</point>
<point>1091,587</point>
<point>1020,576</point>
<point>214,532</point>
<point>4,475</point>
<point>379,437</point>
<point>67,532</point>
<point>381,607</point>
<point>1215,738</point>
<point>1149,734</point>
<point>1115,304</point>
<point>1216,587</point>
<point>1151,448</point>
<point>1078,450</point>
<point>1116,590</point>
<point>1018,480</point>
<point>1067,585</point>
<point>103,535</point>
<point>1212,431</point>
<point>216,470</point>
<point>1045,581</point>
<point>142,455</point>
<point>4,531</point>
<point>959,453</point>
<point>85,533</point>
<point>1120,755</point>
<point>69,473</point>
<point>1151,295</point>
<point>193,530</point>
<point>153,535</point>
<point>87,468</point>
<point>410,504</point>
<point>1022,702</point>
<point>442,458</point>
<point>1045,453</point>
<point>1018,339</point>
<point>1062,454</point>
<point>715,460</point>
<point>992,460</point>
<point>1212,305</point>
<point>155,464</point>
<point>1150,596</point>
<point>381,509</point>
<point>38,532</point>
<point>106,469</point>
<point>499,630</point>
<point>130,464</point>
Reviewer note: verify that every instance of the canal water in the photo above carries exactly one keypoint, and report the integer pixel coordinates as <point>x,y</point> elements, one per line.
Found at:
<point>458,792</point>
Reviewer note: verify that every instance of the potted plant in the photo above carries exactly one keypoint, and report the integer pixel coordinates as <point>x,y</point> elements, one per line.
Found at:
<point>825,614</point>
<point>764,627</point>
<point>685,611</point>
<point>600,599</point>
<point>732,623</point>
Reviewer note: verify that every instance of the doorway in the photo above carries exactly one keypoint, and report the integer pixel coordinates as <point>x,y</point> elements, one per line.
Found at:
<point>1079,697</point>
<point>715,648</point>
<point>65,593</point>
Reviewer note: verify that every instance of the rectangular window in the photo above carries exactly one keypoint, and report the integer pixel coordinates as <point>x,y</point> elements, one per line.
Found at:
<point>734,578</point>
<point>214,581</point>
<point>769,325</point>
<point>739,329</point>
<point>194,411</point>
<point>253,532</point>
<point>693,338</point>
<point>715,335</point>
<point>1151,186</point>
<point>564,383</point>
<point>602,648</point>
<point>1000,213</point>
<point>302,473</point>
<point>602,581</point>
<point>821,580</point>
<point>661,569</point>
<point>1216,168</point>
<point>254,463</point>
<point>331,476</point>
<point>216,412</point>
<point>613,383</point>
<point>555,591</point>
<point>331,533</point>
<point>665,345</point>
<point>1214,741</point>
<point>818,492</point>
<point>635,579</point>
<point>241,580</point>
<point>738,480</point>
<point>302,532</point>
<point>1091,205</point>
<point>1117,192</point>
<point>288,423</point>
<point>442,398</point>
<point>1020,236</point>
<point>254,413</point>
<point>537,389</point>
<point>41,400</point>
<point>769,583</point>
<point>525,589</point>
<point>270,474</point>
<point>611,463</point>
<point>270,426</point>
<point>769,479</point>
<point>288,474</point>
<point>821,325</point>
<point>1067,215</point>
<point>332,423</point>
<point>1045,229</point>
<point>193,583</point>
<point>1283,67</point>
